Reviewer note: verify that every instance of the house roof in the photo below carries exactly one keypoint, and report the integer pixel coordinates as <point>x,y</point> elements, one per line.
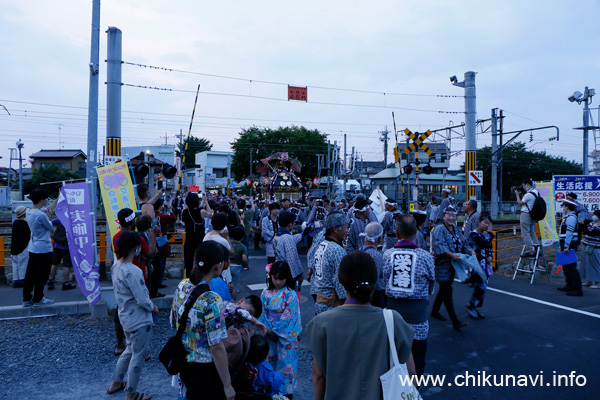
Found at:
<point>61,153</point>
<point>394,172</point>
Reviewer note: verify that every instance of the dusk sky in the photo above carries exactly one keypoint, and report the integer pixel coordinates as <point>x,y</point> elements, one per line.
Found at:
<point>530,56</point>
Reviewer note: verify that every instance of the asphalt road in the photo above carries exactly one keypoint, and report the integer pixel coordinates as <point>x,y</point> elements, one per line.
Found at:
<point>540,332</point>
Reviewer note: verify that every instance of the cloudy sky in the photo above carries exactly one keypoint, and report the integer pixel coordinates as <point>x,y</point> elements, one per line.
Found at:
<point>360,60</point>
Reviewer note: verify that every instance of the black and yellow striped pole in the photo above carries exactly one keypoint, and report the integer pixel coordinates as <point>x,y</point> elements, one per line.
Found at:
<point>187,142</point>
<point>470,190</point>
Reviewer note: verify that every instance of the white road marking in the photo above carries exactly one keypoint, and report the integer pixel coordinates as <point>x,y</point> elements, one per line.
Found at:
<point>546,303</point>
<point>261,286</point>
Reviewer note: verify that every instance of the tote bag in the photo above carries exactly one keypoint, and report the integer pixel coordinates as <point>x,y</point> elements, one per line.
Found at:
<point>395,383</point>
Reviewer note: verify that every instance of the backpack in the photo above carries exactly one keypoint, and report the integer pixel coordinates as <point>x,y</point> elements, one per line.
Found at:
<point>60,235</point>
<point>538,211</point>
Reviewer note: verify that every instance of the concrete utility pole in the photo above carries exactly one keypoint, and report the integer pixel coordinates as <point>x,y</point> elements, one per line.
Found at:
<point>470,127</point>
<point>345,169</point>
<point>586,98</point>
<point>92,139</point>
<point>20,146</point>
<point>494,210</point>
<point>384,139</point>
<point>113,92</point>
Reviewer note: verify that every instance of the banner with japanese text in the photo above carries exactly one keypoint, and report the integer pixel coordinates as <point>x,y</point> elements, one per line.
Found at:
<point>586,187</point>
<point>74,212</point>
<point>117,192</point>
<point>547,226</point>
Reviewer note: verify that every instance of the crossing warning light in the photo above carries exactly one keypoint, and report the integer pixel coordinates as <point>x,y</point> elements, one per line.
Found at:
<point>408,169</point>
<point>428,169</point>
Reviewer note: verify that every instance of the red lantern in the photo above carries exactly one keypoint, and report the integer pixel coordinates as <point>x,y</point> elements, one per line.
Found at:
<point>316,181</point>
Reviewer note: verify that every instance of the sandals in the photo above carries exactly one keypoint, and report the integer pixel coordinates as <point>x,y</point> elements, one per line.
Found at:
<point>140,396</point>
<point>119,350</point>
<point>121,386</point>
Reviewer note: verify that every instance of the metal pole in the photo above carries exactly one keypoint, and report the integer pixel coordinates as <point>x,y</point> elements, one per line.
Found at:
<point>113,92</point>
<point>501,160</point>
<point>586,119</point>
<point>345,169</point>
<point>494,210</point>
<point>20,146</point>
<point>470,129</point>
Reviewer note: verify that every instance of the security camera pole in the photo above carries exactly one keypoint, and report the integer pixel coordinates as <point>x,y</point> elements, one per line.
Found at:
<point>470,125</point>
<point>586,98</point>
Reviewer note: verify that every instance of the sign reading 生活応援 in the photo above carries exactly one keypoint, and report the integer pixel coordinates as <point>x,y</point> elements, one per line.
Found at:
<point>586,187</point>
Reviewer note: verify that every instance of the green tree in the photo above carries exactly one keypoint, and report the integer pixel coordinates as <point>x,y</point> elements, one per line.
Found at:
<point>520,163</point>
<point>51,173</point>
<point>301,143</point>
<point>196,145</point>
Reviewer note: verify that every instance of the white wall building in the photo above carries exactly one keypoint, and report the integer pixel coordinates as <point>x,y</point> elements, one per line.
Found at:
<point>213,169</point>
<point>165,152</point>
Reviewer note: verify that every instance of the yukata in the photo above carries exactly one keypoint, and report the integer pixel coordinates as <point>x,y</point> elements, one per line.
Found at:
<point>325,283</point>
<point>389,228</point>
<point>470,223</point>
<point>378,298</point>
<point>268,232</point>
<point>482,244</point>
<point>310,256</point>
<point>354,241</point>
<point>409,276</point>
<point>281,313</point>
<point>285,247</point>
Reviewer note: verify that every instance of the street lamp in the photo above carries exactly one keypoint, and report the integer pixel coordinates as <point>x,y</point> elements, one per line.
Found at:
<point>586,98</point>
<point>20,146</point>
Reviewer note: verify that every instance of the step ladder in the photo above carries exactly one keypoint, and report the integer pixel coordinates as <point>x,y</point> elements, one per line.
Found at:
<point>533,264</point>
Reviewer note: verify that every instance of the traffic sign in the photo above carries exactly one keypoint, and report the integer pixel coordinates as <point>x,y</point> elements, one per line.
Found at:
<point>475,178</point>
<point>417,142</point>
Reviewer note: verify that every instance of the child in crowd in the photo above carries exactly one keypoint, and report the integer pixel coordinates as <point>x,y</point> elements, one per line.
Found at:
<point>281,316</point>
<point>18,247</point>
<point>220,284</point>
<point>239,258</point>
<point>481,240</point>
<point>259,374</point>
<point>244,314</point>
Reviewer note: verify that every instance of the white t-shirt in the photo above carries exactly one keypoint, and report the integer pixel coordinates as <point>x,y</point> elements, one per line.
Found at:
<point>528,199</point>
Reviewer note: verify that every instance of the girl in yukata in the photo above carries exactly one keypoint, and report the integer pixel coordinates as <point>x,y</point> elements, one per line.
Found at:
<point>281,316</point>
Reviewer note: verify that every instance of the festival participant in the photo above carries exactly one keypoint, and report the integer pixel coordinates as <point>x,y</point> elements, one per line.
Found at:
<point>358,224</point>
<point>481,240</point>
<point>569,239</point>
<point>40,249</point>
<point>285,245</point>
<point>373,237</point>
<point>18,247</point>
<point>471,217</point>
<point>526,222</point>
<point>446,201</point>
<point>409,276</point>
<point>60,253</point>
<point>205,374</point>
<point>239,258</point>
<point>147,203</point>
<point>325,287</point>
<point>448,242</point>
<point>388,223</point>
<point>194,230</point>
<point>590,256</point>
<point>269,228</point>
<point>163,249</point>
<point>281,316</point>
<point>135,313</point>
<point>350,343</point>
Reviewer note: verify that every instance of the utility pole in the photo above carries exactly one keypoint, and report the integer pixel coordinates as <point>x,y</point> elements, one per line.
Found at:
<point>113,93</point>
<point>92,139</point>
<point>500,131</point>
<point>494,163</point>
<point>470,128</point>
<point>384,139</point>
<point>20,146</point>
<point>586,98</point>
<point>345,169</point>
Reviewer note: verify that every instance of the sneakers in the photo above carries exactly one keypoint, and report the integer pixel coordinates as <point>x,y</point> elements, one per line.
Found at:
<point>43,302</point>
<point>472,312</point>
<point>576,292</point>
<point>28,303</point>
<point>50,284</point>
<point>68,286</point>
<point>566,289</point>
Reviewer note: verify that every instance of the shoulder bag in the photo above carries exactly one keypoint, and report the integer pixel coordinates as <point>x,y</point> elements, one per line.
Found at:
<point>173,354</point>
<point>396,383</point>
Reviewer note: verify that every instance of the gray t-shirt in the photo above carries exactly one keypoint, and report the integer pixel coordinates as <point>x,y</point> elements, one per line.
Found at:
<point>350,345</point>
<point>41,231</point>
<point>133,301</point>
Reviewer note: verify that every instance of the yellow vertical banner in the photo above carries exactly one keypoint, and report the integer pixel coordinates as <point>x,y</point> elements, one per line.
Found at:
<point>548,230</point>
<point>117,192</point>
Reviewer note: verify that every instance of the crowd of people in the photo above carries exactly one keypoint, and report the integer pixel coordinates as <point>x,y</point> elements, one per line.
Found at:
<point>357,266</point>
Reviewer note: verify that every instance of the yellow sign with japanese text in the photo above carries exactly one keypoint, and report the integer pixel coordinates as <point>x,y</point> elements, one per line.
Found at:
<point>117,192</point>
<point>548,231</point>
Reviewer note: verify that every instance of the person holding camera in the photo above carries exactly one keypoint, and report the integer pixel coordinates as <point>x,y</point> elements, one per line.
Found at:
<point>526,222</point>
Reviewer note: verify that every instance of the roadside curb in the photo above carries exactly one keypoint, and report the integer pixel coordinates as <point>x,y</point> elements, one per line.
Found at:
<point>100,310</point>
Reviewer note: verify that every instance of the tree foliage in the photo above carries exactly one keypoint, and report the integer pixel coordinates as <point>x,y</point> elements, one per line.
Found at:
<point>196,145</point>
<point>520,163</point>
<point>51,173</point>
<point>301,143</point>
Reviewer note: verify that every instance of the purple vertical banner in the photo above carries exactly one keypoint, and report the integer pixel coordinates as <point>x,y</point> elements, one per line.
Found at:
<point>74,211</point>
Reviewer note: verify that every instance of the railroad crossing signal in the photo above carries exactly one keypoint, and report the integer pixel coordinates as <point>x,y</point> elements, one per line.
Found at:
<point>417,142</point>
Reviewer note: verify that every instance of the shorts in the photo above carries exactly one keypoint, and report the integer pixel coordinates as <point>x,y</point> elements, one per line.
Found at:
<point>59,255</point>
<point>236,275</point>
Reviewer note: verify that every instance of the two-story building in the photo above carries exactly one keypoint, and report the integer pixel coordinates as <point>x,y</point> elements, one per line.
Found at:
<point>71,160</point>
<point>213,170</point>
